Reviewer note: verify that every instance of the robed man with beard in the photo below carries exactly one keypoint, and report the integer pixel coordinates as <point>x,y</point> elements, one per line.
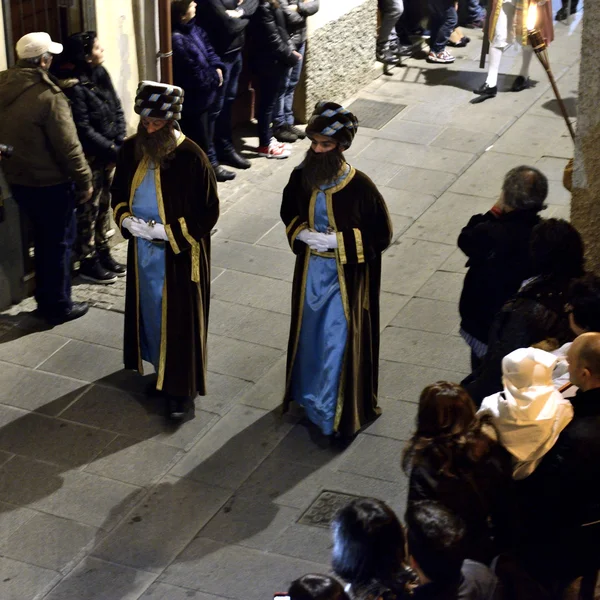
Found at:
<point>164,197</point>
<point>338,225</point>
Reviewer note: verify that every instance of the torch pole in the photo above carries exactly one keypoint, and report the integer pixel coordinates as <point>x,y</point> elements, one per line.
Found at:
<point>561,104</point>
<point>165,53</point>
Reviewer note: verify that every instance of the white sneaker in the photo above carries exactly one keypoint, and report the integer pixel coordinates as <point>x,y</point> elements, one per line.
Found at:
<point>284,145</point>
<point>273,150</point>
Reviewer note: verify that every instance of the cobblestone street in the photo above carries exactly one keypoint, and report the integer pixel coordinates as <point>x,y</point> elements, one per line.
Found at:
<point>100,500</point>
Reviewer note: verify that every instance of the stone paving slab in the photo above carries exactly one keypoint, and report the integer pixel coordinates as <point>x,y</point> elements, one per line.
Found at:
<point>210,510</point>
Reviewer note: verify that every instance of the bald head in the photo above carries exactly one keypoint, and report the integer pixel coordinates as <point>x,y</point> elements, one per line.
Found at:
<point>584,361</point>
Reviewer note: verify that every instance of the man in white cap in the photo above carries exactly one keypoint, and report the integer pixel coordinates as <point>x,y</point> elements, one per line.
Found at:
<point>46,171</point>
<point>164,197</point>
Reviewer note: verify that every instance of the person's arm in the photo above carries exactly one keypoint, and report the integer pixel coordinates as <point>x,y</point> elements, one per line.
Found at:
<point>476,239</point>
<point>248,8</point>
<point>201,214</point>
<point>119,114</point>
<point>362,244</point>
<point>232,24</point>
<point>62,136</point>
<point>290,215</point>
<point>283,49</point>
<point>291,11</point>
<point>308,8</point>
<point>93,142</point>
<point>214,60</point>
<point>189,69</point>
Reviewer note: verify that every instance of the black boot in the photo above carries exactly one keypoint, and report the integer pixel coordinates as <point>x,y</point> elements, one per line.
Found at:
<point>177,408</point>
<point>296,131</point>
<point>233,159</point>
<point>77,310</point>
<point>92,270</point>
<point>283,134</point>
<point>223,174</point>
<point>110,264</point>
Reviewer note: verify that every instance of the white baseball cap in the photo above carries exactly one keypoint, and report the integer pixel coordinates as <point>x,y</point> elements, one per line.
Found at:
<point>35,44</point>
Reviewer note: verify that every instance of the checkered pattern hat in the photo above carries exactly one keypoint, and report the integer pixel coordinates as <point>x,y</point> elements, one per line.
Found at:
<point>334,121</point>
<point>158,100</point>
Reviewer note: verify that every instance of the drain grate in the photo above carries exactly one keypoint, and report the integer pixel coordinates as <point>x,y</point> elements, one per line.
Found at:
<point>373,114</point>
<point>321,512</point>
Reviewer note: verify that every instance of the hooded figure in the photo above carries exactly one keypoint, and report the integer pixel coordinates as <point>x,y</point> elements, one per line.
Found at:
<point>530,413</point>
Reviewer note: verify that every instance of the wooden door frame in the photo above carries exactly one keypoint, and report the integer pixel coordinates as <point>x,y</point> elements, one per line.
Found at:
<point>88,17</point>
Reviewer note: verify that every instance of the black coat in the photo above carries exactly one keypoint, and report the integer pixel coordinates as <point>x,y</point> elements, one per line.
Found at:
<point>561,499</point>
<point>270,40</point>
<point>97,113</point>
<point>497,248</point>
<point>296,19</point>
<point>534,314</point>
<point>481,495</point>
<point>226,33</point>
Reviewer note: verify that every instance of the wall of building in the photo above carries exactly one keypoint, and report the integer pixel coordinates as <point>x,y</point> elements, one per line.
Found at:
<point>3,62</point>
<point>340,52</point>
<point>116,31</point>
<point>585,204</point>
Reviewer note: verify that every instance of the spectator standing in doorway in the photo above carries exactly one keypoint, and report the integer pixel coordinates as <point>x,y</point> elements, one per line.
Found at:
<point>100,123</point>
<point>273,54</point>
<point>225,22</point>
<point>46,169</point>
<point>199,71</point>
<point>296,12</point>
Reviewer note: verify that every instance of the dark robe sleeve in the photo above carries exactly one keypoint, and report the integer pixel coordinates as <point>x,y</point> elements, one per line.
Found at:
<point>290,216</point>
<point>362,244</point>
<point>120,191</point>
<point>201,210</point>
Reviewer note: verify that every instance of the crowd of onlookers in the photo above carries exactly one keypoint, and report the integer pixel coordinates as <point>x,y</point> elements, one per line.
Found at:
<point>503,498</point>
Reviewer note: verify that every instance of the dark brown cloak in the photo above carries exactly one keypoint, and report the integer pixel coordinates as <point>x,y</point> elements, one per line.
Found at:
<point>189,208</point>
<point>359,216</point>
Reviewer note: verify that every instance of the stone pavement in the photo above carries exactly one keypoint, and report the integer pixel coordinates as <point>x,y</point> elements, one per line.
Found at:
<point>100,500</point>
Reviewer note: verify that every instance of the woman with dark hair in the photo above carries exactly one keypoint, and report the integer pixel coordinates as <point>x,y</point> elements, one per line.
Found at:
<point>100,123</point>
<point>537,311</point>
<point>369,550</point>
<point>199,71</point>
<point>453,459</point>
<point>317,587</point>
<point>496,245</point>
<point>272,54</point>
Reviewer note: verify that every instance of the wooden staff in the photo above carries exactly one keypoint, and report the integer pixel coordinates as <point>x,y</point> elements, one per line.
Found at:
<point>485,47</point>
<point>165,54</point>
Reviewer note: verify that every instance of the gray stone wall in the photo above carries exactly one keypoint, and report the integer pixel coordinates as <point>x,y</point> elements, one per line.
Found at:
<point>585,203</point>
<point>340,58</point>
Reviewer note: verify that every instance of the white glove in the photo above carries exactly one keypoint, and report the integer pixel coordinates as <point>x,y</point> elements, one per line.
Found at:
<point>138,228</point>
<point>321,242</point>
<point>304,235</point>
<point>158,232</point>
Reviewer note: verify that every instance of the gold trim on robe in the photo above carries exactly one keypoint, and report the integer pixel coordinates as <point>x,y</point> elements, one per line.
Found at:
<point>360,255</point>
<point>289,227</point>
<point>195,250</point>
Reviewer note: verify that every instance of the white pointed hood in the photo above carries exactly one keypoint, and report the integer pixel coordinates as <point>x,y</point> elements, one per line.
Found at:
<point>529,414</point>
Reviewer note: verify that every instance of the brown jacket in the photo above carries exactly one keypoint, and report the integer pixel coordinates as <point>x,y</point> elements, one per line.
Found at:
<point>35,118</point>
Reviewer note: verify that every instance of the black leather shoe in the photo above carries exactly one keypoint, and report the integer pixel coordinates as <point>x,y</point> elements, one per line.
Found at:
<point>296,131</point>
<point>223,174</point>
<point>110,264</point>
<point>484,92</point>
<point>283,134</point>
<point>78,310</point>
<point>91,269</point>
<point>520,83</point>
<point>178,408</point>
<point>233,159</point>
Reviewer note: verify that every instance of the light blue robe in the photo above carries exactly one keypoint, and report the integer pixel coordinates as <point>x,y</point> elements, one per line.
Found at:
<point>151,271</point>
<point>317,371</point>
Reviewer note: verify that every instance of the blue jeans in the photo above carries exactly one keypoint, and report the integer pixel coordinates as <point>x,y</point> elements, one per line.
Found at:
<point>470,12</point>
<point>51,211</point>
<point>270,76</point>
<point>442,22</point>
<point>219,115</point>
<point>284,108</point>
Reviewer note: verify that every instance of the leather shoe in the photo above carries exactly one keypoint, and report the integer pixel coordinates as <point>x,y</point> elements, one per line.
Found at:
<point>223,174</point>
<point>78,310</point>
<point>233,159</point>
<point>178,408</point>
<point>484,92</point>
<point>520,83</point>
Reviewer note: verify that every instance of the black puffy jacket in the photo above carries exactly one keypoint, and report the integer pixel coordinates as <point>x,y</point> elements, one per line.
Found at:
<point>270,40</point>
<point>97,113</point>
<point>296,19</point>
<point>535,314</point>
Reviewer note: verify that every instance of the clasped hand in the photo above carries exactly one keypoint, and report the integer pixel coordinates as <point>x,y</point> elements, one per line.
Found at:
<point>321,242</point>
<point>140,228</point>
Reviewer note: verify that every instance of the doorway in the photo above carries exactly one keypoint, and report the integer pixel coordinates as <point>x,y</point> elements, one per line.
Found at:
<point>59,18</point>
